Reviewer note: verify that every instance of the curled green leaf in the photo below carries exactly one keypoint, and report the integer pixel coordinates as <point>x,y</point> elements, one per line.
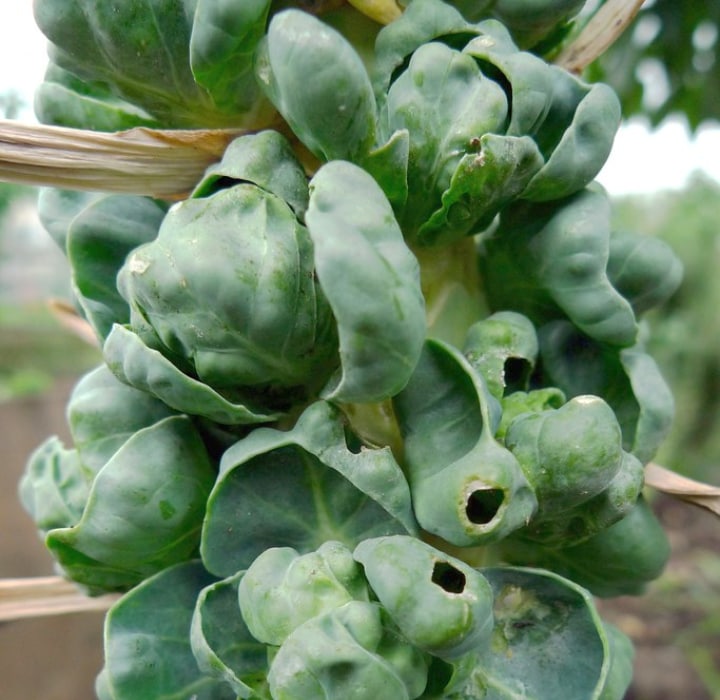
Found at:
<point>503,348</point>
<point>466,487</point>
<point>370,279</point>
<point>333,113</point>
<point>549,261</point>
<point>221,642</point>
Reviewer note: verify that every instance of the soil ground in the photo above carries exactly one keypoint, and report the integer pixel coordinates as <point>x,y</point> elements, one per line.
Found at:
<point>675,626</point>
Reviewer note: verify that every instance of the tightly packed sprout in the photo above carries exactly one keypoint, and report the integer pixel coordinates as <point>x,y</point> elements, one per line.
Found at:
<point>374,408</point>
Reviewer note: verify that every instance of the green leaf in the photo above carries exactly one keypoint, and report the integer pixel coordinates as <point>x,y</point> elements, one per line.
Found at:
<point>570,527</point>
<point>144,511</point>
<point>265,159</point>
<point>301,488</point>
<point>579,155</point>
<point>349,651</point>
<point>222,47</point>
<point>572,122</point>
<point>548,642</point>
<point>221,642</point>
<point>503,348</point>
<point>439,603</point>
<point>282,589</point>
<point>147,641</point>
<point>530,22</point>
<point>548,261</point>
<point>520,402</point>
<point>482,185</point>
<point>57,208</point>
<point>644,269</point>
<point>370,279</point>
<point>466,487</point>
<point>333,113</point>
<point>146,369</point>
<point>620,560</point>
<point>62,99</point>
<point>628,379</point>
<point>99,238</point>
<point>421,22</point>
<point>388,164</point>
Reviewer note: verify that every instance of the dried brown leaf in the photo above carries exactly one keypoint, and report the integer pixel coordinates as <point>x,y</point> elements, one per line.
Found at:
<point>689,490</point>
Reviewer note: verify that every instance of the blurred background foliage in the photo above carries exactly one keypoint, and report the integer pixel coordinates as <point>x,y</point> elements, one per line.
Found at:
<point>667,62</point>
<point>684,334</point>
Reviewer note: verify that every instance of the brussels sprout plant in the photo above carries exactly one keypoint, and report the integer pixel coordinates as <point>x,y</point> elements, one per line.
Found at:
<point>374,409</point>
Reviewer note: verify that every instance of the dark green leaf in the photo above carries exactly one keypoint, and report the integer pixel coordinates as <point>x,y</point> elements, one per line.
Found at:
<point>99,239</point>
<point>548,642</point>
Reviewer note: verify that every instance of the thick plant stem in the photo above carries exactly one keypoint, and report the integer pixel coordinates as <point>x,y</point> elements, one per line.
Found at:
<point>451,286</point>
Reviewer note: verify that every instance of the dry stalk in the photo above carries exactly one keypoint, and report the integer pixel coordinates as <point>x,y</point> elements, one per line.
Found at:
<point>22,598</point>
<point>157,163</point>
<point>599,34</point>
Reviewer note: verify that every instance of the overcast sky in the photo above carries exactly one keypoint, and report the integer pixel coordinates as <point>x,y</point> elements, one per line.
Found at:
<point>640,161</point>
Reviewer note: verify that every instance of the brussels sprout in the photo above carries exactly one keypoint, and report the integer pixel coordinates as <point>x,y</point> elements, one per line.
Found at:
<point>282,589</point>
<point>569,454</point>
<point>439,603</point>
<point>349,652</point>
<point>187,64</point>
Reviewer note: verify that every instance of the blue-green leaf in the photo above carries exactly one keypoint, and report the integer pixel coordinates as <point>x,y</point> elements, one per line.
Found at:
<point>319,84</point>
<point>548,642</point>
<point>548,261</point>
